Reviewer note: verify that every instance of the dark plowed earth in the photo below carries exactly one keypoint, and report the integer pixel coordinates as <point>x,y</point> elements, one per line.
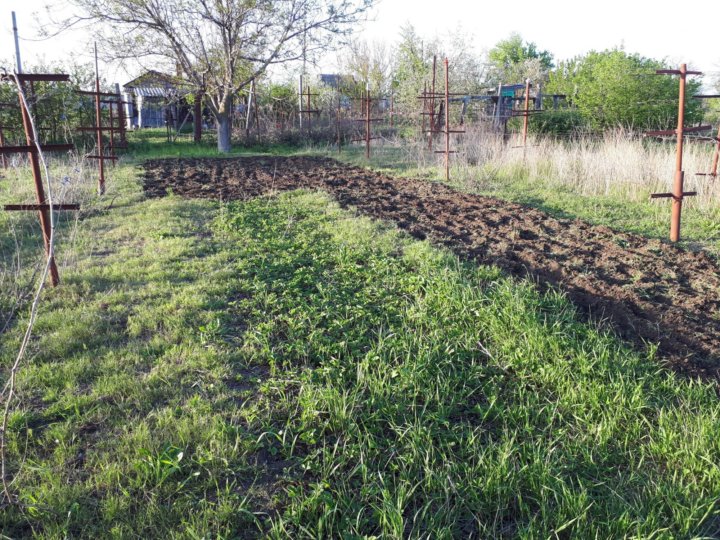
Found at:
<point>649,291</point>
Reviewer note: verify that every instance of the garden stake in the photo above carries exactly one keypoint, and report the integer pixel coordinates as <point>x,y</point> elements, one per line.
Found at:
<point>42,206</point>
<point>716,155</point>
<point>308,111</point>
<point>98,129</point>
<point>366,102</point>
<point>677,194</point>
<point>447,131</point>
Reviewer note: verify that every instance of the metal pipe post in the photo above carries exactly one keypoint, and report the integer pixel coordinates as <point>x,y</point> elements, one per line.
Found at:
<point>18,63</point>
<point>447,121</point>
<point>98,125</point>
<point>678,183</point>
<point>432,105</point>
<point>39,190</point>
<point>300,102</point>
<point>716,156</point>
<point>425,108</point>
<point>367,122</point>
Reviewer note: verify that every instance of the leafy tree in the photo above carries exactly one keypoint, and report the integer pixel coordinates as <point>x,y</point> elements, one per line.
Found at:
<point>514,60</point>
<point>413,66</point>
<point>613,88</point>
<point>222,45</point>
<point>56,107</point>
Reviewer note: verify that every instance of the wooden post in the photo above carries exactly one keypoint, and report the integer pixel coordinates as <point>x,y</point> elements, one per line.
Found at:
<point>538,97</point>
<point>498,106</point>
<point>527,111</point>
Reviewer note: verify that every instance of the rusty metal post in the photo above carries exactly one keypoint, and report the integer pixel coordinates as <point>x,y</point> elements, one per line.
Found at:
<point>98,125</point>
<point>527,111</point>
<point>112,131</point>
<point>300,103</point>
<point>447,121</point>
<point>365,104</point>
<point>678,194</point>
<point>425,107</point>
<point>679,175</point>
<point>33,151</point>
<point>432,105</point>
<point>716,156</point>
<point>39,190</point>
<point>367,123</point>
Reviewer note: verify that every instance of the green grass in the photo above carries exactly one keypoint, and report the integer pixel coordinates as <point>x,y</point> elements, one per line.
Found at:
<point>284,368</point>
<point>152,143</point>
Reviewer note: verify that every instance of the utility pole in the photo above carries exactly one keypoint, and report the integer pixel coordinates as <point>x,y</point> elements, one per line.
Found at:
<point>18,63</point>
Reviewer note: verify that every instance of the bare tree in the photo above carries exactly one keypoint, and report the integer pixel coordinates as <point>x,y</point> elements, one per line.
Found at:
<point>368,62</point>
<point>222,45</point>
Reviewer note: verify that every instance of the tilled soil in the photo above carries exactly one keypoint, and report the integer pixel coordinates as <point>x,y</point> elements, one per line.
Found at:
<point>649,291</point>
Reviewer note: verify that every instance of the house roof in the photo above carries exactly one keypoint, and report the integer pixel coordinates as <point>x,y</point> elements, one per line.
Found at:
<point>155,79</point>
<point>150,91</point>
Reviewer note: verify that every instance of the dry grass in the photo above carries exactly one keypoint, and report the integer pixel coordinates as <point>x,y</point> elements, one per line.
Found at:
<point>618,163</point>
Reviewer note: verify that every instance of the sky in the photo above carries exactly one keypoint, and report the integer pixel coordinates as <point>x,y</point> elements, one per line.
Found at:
<point>563,27</point>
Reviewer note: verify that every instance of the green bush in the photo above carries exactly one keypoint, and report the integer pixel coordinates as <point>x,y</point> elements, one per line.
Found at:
<point>558,122</point>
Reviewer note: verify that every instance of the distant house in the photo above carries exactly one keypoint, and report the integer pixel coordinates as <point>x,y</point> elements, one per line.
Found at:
<point>337,81</point>
<point>154,100</point>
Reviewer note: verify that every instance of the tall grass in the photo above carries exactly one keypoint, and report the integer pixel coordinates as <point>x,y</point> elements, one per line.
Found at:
<point>616,163</point>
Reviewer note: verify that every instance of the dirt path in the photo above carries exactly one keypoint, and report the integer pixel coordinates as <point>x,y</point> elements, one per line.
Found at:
<point>648,290</point>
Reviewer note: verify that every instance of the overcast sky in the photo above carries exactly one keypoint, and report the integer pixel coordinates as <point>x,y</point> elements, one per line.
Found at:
<point>566,28</point>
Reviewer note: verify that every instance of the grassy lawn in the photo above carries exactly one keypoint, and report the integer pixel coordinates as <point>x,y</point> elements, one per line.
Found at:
<point>284,368</point>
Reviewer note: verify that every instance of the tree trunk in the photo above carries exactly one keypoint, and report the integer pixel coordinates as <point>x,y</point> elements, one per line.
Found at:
<point>197,118</point>
<point>224,126</point>
<point>223,132</point>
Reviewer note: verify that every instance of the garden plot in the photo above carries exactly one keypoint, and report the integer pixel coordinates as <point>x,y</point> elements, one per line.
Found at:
<point>648,290</point>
